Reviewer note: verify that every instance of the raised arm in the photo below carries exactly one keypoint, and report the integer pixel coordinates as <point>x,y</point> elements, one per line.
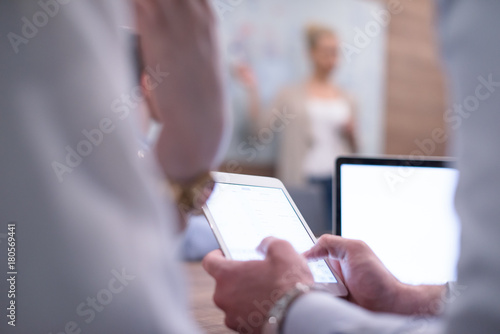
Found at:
<point>180,48</point>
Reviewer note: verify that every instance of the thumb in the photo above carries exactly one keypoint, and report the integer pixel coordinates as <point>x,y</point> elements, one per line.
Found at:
<point>214,262</point>
<point>273,247</point>
<point>329,246</point>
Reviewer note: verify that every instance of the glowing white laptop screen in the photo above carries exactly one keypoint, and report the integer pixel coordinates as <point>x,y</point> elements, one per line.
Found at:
<point>406,215</point>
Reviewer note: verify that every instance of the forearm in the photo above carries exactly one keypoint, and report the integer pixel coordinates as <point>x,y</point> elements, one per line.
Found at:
<point>179,45</point>
<point>192,110</point>
<point>351,139</point>
<point>189,143</point>
<point>419,299</point>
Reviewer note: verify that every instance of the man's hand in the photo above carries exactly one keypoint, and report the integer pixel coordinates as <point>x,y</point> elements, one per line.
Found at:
<point>246,291</point>
<point>370,284</point>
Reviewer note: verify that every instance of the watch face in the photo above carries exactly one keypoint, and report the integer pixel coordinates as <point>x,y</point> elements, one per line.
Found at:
<point>270,327</point>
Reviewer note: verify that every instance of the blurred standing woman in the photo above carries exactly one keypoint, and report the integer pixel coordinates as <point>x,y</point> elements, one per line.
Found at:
<point>322,127</point>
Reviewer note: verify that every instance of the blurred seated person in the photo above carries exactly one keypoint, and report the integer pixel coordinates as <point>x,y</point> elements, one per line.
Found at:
<point>323,118</point>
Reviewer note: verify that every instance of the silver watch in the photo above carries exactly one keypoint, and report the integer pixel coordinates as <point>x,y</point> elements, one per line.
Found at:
<point>277,315</point>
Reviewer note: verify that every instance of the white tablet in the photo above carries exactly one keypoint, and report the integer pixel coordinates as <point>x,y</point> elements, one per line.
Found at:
<point>244,209</point>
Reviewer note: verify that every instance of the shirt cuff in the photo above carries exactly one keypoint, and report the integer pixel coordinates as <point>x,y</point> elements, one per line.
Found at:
<point>322,313</point>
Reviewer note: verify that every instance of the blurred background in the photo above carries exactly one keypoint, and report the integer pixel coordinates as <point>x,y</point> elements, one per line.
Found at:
<point>384,84</point>
<point>382,55</point>
<point>386,61</point>
<point>388,66</point>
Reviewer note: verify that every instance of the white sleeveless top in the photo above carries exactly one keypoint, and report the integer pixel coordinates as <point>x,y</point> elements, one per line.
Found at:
<point>328,118</point>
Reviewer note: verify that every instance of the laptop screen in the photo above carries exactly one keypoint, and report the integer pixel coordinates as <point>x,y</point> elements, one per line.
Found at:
<point>404,211</point>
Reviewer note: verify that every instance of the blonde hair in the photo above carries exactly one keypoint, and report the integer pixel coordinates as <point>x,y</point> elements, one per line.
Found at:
<point>314,32</point>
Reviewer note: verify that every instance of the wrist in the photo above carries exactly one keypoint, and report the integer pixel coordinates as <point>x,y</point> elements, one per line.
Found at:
<point>191,195</point>
<point>418,299</point>
<point>278,314</point>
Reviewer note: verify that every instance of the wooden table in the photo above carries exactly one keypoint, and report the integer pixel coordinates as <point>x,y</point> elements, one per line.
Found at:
<point>201,289</point>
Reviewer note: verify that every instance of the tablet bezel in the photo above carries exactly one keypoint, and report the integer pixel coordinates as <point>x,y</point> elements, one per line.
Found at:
<point>338,288</point>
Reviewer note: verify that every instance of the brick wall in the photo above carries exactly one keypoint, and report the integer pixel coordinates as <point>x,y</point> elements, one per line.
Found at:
<point>415,92</point>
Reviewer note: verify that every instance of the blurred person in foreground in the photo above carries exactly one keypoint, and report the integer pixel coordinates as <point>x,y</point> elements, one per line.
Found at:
<point>323,123</point>
<point>378,303</point>
<point>96,244</point>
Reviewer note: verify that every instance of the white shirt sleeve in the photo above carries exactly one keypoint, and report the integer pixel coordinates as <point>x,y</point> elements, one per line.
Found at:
<point>94,238</point>
<point>321,313</point>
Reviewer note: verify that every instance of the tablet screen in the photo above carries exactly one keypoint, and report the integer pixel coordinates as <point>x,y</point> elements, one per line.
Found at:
<point>245,215</point>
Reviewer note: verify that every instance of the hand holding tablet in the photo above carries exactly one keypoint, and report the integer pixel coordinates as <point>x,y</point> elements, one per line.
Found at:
<point>243,210</point>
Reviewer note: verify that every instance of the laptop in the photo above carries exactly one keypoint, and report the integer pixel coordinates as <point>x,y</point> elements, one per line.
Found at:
<point>404,210</point>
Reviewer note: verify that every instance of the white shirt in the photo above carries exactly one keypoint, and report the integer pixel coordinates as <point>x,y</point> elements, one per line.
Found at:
<point>328,119</point>
<point>95,246</point>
